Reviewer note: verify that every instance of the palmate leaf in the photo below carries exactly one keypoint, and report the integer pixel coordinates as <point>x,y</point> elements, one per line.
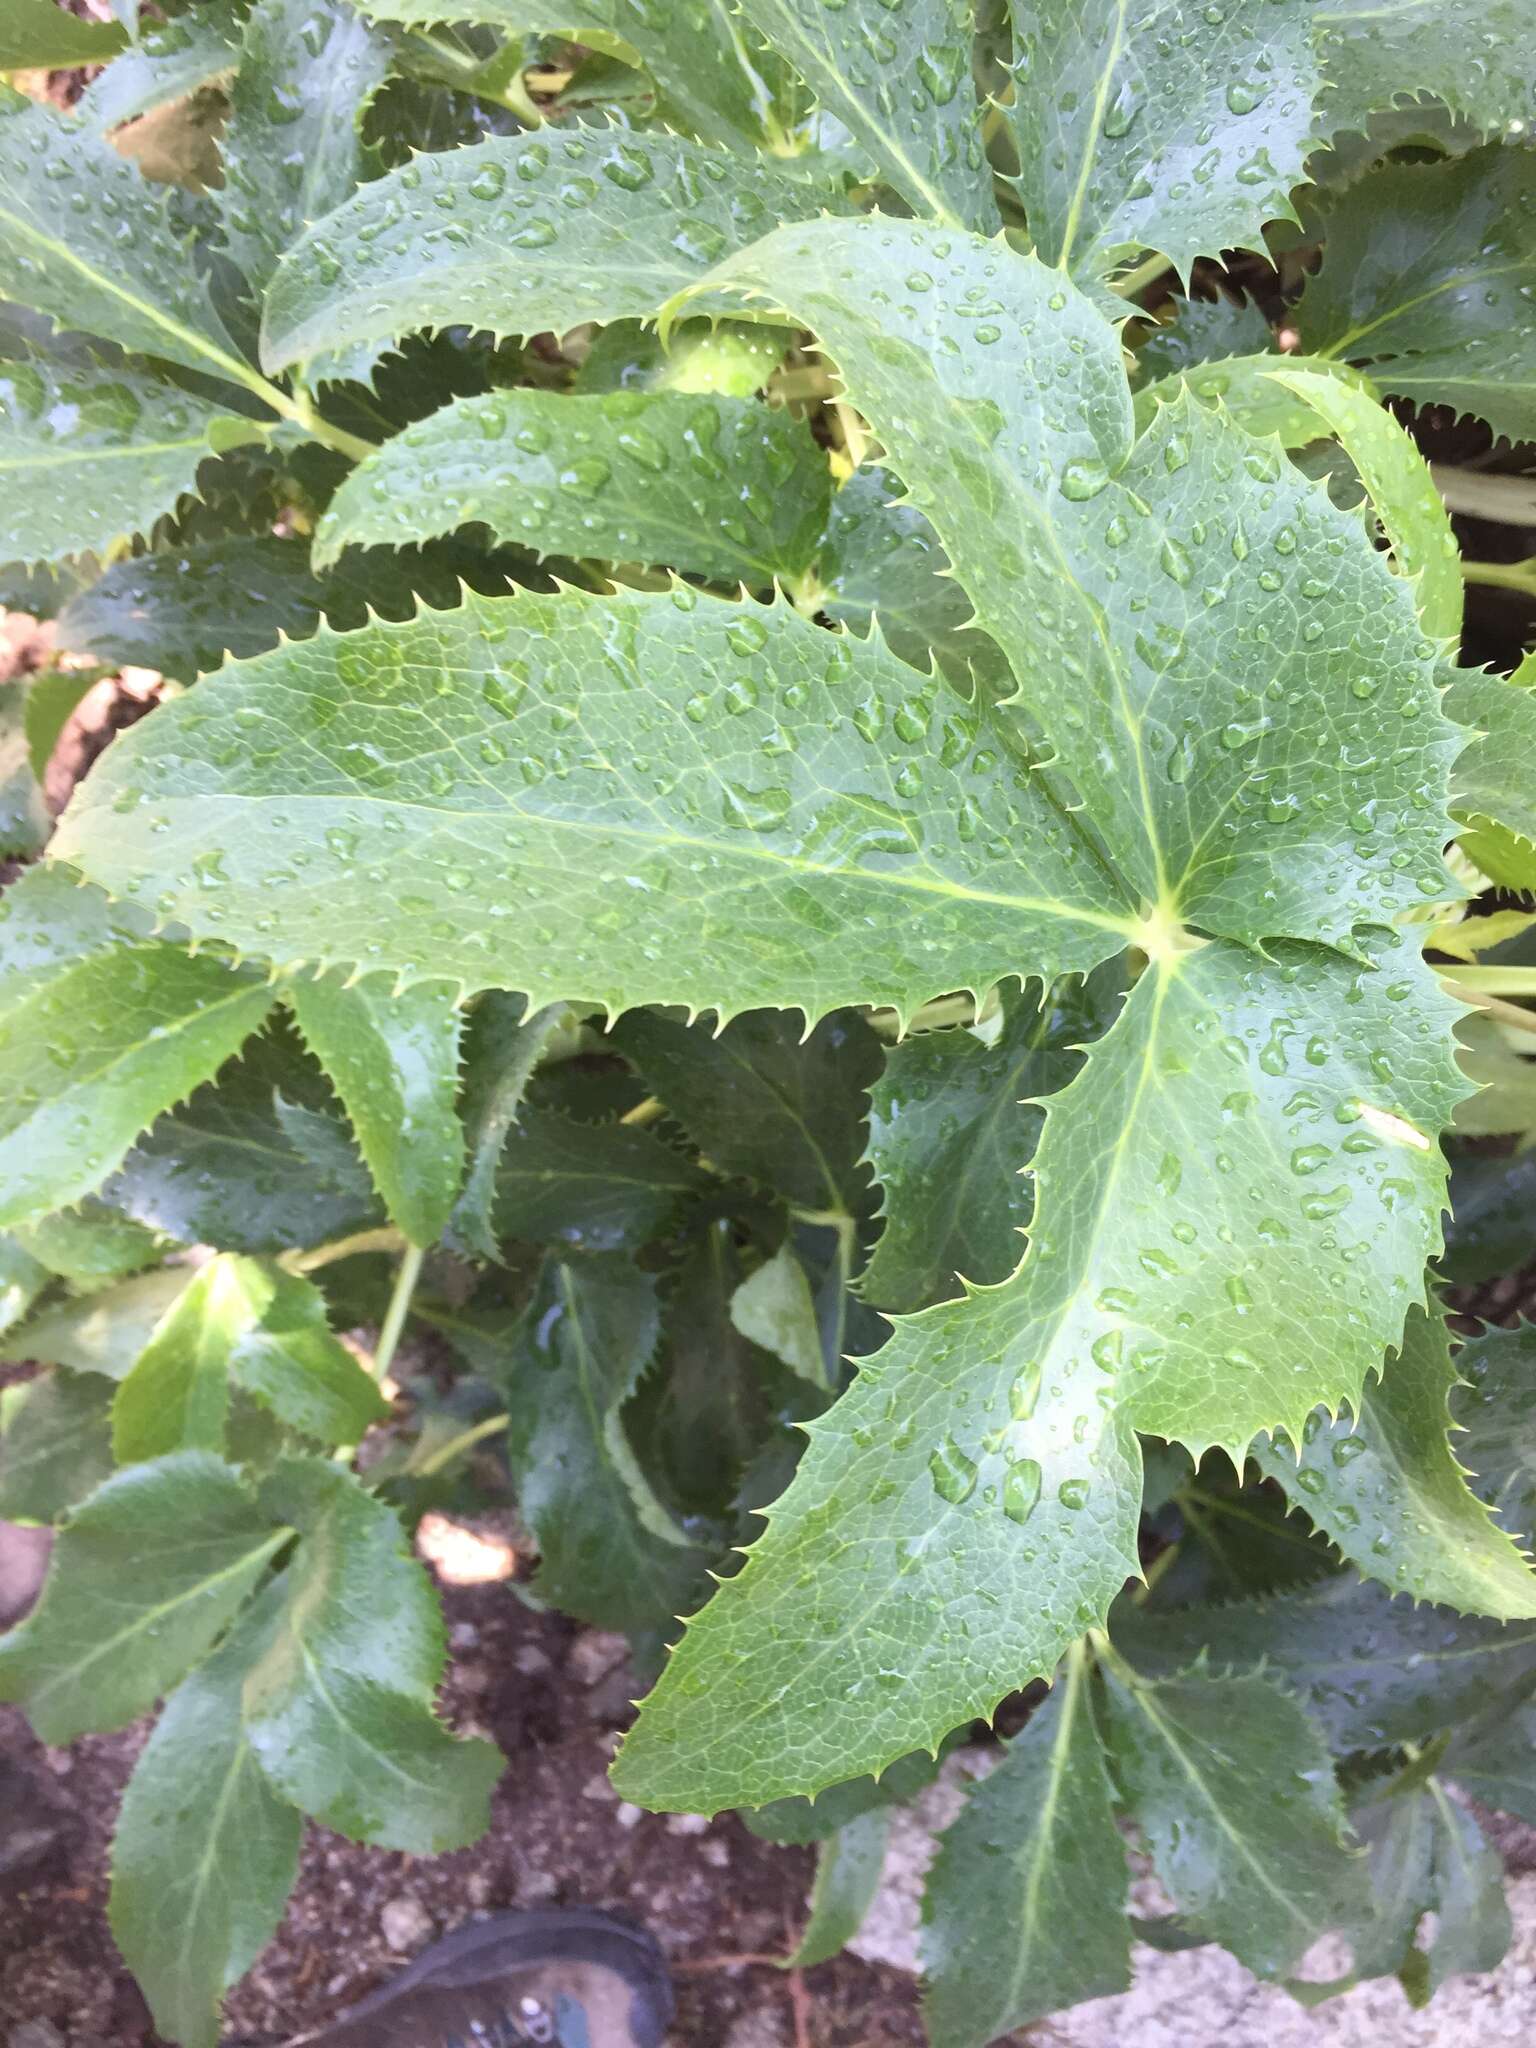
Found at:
<point>1377,57</point>
<point>899,79</point>
<point>763,1101</point>
<point>520,234</point>
<point>84,239</point>
<point>1194,332</point>
<point>102,1026</point>
<point>588,1336</point>
<point>741,803</point>
<point>1420,282</point>
<point>715,487</point>
<point>293,148</point>
<point>395,1061</point>
<point>849,1865</point>
<point>1494,1758</point>
<point>40,35</point>
<point>144,1578</point>
<point>1373,1669</point>
<point>502,1046</point>
<point>90,1245</point>
<point>1182,129</point>
<point>1232,1788</point>
<point>339,1700</point>
<point>1388,1487</point>
<point>95,448</point>
<point>24,818</point>
<point>953,1123</point>
<point>1003,1947</point>
<point>1249,389</point>
<point>990,1447</point>
<point>102,1333</point>
<point>205,1853</point>
<point>695,51</point>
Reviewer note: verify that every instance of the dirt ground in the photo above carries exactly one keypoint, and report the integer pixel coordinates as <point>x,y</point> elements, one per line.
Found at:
<point>554,1696</point>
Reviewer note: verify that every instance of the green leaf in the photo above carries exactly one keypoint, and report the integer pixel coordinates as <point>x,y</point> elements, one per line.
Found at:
<point>1182,130</point>
<point>693,49</point>
<point>953,1124</point>
<point>848,1869</point>
<point>774,1308</point>
<point>1495,1759</point>
<point>1248,387</point>
<point>395,1061</point>
<point>757,786</point>
<point>1506,1080</point>
<point>1023,1912</point>
<point>798,1821</point>
<point>101,1026</point>
<point>1232,1788</point>
<point>204,1855</point>
<point>94,449</point>
<point>38,35</point>
<point>262,1329</point>
<point>22,1279</point>
<point>1428,1855</point>
<point>587,1338</point>
<point>1386,1487</point>
<point>1194,332</point>
<point>169,60</point>
<point>177,1395</point>
<point>502,1047</point>
<point>1492,782</point>
<point>106,1331</point>
<point>520,234</point>
<point>900,82</point>
<point>293,148</point>
<point>879,557</point>
<point>52,698</point>
<point>1398,481</point>
<point>719,487</point>
<point>1418,282</point>
<point>56,1447</point>
<point>24,819</point>
<point>592,1187</point>
<point>90,1245</point>
<point>1374,1669</point>
<point>338,1704</point>
<point>762,1100</point>
<point>1119,601</point>
<point>253,1162</point>
<point>1494,1409</point>
<point>1376,57</point>
<point>182,611</point>
<point>989,1453</point>
<point>144,1578</point>
<point>113,263</point>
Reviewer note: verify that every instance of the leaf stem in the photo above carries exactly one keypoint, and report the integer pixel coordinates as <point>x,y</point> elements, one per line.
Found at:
<point>399,1308</point>
<point>387,1239</point>
<point>1148,271</point>
<point>1507,1013</point>
<point>464,1441</point>
<point>1498,981</point>
<point>1519,576</point>
<point>303,414</point>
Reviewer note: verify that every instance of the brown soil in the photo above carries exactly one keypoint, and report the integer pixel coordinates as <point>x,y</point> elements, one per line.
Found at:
<point>554,1697</point>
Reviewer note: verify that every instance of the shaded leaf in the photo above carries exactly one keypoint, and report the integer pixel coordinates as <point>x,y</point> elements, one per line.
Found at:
<point>394,1058</point>
<point>953,1124</point>
<point>339,1701</point>
<point>38,35</point>
<point>1233,1790</point>
<point>1495,1412</point>
<point>848,1869</point>
<point>1376,57</point>
<point>717,487</point>
<point>773,1308</point>
<point>502,1047</point>
<point>1023,1911</point>
<point>1428,1855</point>
<point>101,1027</point>
<point>1387,1487</point>
<point>24,819</point>
<point>1415,283</point>
<point>56,1446</point>
<point>204,1855</point>
<point>1492,780</point>
<point>1494,1759</point>
<point>594,1187</point>
<point>763,1101</point>
<point>22,1279</point>
<point>105,1332</point>
<point>145,1575</point>
<point>167,60</point>
<point>589,1334</point>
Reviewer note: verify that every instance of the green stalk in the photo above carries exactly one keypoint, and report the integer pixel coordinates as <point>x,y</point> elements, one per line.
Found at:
<point>399,1308</point>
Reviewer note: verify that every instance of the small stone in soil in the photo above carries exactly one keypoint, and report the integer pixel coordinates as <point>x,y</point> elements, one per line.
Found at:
<point>405,1924</point>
